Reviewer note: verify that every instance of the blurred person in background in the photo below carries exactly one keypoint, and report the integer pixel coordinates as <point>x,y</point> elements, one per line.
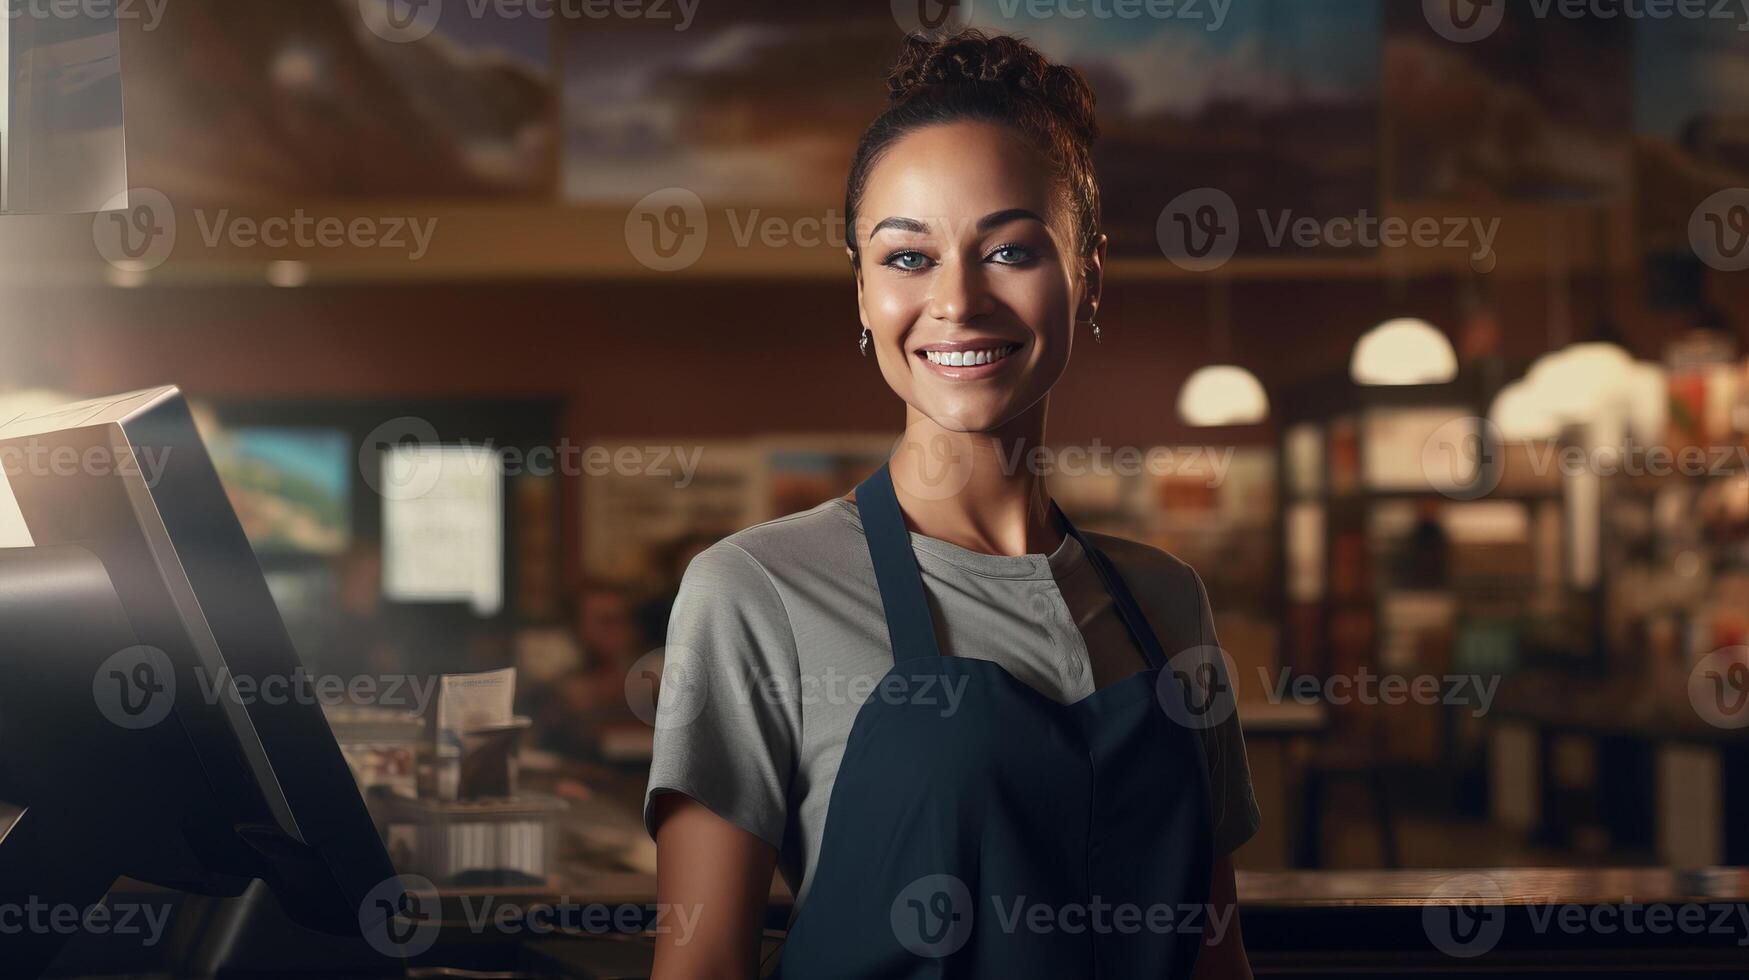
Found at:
<point>653,612</point>
<point>580,708</point>
<point>357,639</point>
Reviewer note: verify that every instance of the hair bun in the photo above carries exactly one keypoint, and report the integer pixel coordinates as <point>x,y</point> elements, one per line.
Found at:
<point>971,57</point>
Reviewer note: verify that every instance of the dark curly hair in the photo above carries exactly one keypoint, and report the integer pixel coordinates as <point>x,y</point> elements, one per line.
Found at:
<point>1000,79</point>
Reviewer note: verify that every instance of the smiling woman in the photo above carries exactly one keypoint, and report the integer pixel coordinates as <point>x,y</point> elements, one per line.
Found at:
<point>1017,729</point>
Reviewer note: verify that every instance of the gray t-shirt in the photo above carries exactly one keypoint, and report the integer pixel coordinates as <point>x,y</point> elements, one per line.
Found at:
<point>778,637</point>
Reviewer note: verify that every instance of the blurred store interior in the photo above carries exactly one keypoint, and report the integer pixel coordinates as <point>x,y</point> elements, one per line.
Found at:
<point>1473,510</point>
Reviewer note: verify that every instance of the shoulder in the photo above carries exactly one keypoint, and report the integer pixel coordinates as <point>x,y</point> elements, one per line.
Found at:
<point>1153,566</point>
<point>760,564</point>
<point>1169,591</point>
<point>810,540</point>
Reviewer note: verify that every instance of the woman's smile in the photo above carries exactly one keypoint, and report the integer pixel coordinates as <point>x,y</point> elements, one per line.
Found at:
<point>968,360</point>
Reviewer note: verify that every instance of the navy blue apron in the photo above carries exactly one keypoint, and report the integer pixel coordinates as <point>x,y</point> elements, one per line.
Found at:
<point>1003,834</point>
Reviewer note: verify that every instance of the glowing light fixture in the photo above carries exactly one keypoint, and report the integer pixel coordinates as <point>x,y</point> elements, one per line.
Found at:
<point>1522,415</point>
<point>1579,380</point>
<point>288,273</point>
<point>1403,351</point>
<point>1223,394</point>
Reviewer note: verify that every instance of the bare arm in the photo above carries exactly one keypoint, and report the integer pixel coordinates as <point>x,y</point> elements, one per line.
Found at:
<point>713,880</point>
<point>1223,950</point>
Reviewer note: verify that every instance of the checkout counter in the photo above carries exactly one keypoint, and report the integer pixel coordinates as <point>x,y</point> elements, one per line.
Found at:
<point>590,921</point>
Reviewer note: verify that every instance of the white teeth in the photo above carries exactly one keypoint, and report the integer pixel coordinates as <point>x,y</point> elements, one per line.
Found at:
<point>970,358</point>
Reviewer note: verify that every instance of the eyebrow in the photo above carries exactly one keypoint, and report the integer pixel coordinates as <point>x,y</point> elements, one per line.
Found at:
<point>985,223</point>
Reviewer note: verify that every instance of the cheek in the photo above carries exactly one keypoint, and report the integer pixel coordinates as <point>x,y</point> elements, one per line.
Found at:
<point>894,305</point>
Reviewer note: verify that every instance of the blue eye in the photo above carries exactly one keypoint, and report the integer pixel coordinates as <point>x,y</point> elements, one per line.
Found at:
<point>1012,254</point>
<point>906,261</point>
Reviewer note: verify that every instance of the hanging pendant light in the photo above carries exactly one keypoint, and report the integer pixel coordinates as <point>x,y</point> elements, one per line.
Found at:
<point>1403,351</point>
<point>1225,393</point>
<point>1521,414</point>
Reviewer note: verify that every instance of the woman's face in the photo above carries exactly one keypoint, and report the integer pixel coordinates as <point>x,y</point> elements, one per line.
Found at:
<point>968,278</point>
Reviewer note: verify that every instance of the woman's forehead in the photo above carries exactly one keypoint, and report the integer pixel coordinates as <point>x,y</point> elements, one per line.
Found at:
<point>951,175</point>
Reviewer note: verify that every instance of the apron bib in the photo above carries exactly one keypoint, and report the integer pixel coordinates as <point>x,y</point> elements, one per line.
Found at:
<point>998,833</point>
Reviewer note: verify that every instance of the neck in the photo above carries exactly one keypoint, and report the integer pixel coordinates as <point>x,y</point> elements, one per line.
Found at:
<point>976,489</point>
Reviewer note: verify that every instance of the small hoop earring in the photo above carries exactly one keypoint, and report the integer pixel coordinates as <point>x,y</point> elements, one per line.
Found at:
<point>863,343</point>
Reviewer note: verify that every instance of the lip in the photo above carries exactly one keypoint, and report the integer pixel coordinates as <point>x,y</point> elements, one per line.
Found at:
<point>974,372</point>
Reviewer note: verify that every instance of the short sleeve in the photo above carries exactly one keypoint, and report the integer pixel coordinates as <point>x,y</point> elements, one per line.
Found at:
<point>1234,803</point>
<point>727,723</point>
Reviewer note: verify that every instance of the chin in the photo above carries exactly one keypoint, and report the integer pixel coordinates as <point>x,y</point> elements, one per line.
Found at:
<point>970,418</point>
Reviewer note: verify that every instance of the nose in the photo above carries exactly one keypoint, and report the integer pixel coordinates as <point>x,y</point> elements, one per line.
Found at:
<point>959,293</point>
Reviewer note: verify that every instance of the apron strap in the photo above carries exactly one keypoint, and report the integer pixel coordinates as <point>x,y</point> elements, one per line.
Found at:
<point>1128,609</point>
<point>910,628</point>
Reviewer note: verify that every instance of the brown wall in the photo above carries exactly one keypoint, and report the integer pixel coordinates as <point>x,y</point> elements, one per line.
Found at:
<point>708,359</point>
